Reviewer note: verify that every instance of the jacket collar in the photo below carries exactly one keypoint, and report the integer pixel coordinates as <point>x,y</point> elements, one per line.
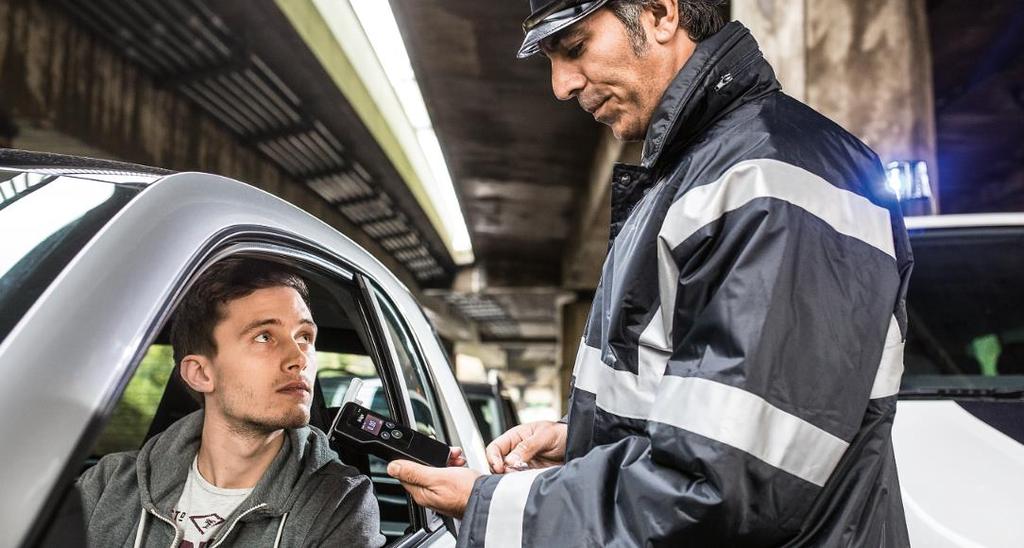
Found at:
<point>164,461</point>
<point>725,70</point>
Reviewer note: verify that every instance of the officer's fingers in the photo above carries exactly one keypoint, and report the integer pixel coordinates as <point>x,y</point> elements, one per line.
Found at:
<point>494,459</point>
<point>523,452</point>
<point>457,457</point>
<point>500,447</point>
<point>409,472</point>
<point>418,481</point>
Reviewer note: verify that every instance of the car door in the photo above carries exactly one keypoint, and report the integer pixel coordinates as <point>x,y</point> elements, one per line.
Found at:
<point>95,325</point>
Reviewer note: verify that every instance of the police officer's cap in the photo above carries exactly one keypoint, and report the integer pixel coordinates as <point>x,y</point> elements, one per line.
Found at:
<point>551,16</point>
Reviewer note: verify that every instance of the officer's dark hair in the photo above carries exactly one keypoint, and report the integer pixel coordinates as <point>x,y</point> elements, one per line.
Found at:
<point>700,19</point>
<point>203,306</point>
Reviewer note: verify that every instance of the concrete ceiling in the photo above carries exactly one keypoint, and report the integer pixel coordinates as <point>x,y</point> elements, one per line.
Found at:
<point>521,161</point>
<point>245,65</point>
<point>518,155</point>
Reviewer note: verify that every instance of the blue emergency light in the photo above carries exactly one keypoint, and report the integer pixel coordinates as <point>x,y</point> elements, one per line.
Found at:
<point>908,180</point>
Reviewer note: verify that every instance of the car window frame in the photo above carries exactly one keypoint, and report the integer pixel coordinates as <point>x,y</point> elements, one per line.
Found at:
<point>376,294</point>
<point>438,400</point>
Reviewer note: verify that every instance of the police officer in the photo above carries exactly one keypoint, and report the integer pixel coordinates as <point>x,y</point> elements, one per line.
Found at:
<point>736,382</point>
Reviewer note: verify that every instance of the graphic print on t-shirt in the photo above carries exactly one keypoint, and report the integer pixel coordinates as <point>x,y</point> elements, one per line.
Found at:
<point>203,508</point>
<point>204,523</point>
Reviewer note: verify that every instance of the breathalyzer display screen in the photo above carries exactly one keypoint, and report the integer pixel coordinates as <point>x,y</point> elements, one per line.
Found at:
<point>372,424</point>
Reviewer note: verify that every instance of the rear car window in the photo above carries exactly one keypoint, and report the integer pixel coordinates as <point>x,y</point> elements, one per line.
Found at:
<point>966,309</point>
<point>44,221</point>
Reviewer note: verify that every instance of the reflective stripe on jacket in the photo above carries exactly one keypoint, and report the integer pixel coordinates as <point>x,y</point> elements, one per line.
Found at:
<point>736,384</point>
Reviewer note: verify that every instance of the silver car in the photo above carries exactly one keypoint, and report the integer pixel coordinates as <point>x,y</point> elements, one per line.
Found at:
<point>94,258</point>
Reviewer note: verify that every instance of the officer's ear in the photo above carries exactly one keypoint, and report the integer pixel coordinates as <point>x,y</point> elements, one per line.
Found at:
<point>666,20</point>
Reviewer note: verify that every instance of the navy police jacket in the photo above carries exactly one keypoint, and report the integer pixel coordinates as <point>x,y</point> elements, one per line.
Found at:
<point>736,384</point>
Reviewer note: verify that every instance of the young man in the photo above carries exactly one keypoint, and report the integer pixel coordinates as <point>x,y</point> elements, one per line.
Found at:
<point>736,382</point>
<point>246,470</point>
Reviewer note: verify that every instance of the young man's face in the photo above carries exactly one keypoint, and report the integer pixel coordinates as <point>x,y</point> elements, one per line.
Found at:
<point>265,365</point>
<point>595,62</point>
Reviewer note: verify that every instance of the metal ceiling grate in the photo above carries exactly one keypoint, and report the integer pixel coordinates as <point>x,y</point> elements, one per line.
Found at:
<point>185,44</point>
<point>400,242</point>
<point>492,317</point>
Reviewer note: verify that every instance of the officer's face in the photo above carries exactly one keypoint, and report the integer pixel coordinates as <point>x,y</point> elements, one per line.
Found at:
<point>595,62</point>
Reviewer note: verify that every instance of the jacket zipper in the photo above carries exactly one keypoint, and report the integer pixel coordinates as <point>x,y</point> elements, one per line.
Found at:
<point>731,75</point>
<point>233,523</point>
<point>174,543</point>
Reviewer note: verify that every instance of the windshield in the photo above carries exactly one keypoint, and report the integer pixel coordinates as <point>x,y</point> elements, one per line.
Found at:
<point>44,221</point>
<point>966,304</point>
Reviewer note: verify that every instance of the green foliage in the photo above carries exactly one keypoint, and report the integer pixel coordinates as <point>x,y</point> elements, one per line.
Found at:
<point>131,418</point>
<point>330,364</point>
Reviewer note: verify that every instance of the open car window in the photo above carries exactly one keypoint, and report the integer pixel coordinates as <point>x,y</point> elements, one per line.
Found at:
<point>348,347</point>
<point>415,375</point>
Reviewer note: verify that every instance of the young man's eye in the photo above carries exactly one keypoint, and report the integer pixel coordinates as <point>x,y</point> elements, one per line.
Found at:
<point>262,337</point>
<point>306,337</point>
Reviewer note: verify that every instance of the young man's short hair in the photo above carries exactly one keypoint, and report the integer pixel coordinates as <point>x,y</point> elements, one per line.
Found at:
<point>203,306</point>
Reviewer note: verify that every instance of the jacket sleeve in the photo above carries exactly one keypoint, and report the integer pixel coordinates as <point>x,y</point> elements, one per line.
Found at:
<point>115,468</point>
<point>774,313</point>
<point>355,520</point>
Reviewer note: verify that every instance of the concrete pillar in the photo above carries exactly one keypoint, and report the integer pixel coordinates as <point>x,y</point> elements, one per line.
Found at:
<point>866,64</point>
<point>585,251</point>
<point>572,320</point>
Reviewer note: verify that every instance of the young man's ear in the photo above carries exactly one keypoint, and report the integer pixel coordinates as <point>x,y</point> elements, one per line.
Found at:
<point>197,373</point>
<point>666,20</point>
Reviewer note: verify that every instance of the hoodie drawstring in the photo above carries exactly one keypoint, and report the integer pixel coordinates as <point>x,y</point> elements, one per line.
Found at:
<point>142,528</point>
<point>280,529</point>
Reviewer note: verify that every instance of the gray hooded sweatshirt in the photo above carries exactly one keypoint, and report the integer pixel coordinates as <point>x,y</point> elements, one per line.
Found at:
<point>307,497</point>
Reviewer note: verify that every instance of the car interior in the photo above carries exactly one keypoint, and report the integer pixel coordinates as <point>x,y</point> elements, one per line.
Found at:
<point>349,346</point>
<point>964,307</point>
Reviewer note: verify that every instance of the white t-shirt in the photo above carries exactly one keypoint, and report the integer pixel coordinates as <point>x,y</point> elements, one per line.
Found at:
<point>203,508</point>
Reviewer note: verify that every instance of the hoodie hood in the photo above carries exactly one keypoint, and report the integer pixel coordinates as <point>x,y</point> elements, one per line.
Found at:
<point>164,461</point>
<point>725,70</point>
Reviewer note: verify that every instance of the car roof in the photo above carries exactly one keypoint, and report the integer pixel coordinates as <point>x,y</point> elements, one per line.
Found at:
<point>972,220</point>
<point>89,168</point>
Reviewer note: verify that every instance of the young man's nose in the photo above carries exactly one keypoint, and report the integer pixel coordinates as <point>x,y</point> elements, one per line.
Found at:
<point>297,357</point>
<point>566,80</point>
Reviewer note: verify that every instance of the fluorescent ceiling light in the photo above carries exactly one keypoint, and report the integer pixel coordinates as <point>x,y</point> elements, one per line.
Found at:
<point>378,22</point>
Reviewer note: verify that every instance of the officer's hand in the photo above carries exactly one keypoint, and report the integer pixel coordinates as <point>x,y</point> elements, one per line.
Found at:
<point>534,445</point>
<point>446,490</point>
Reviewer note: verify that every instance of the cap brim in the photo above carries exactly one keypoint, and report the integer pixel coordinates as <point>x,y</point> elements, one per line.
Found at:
<point>550,26</point>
